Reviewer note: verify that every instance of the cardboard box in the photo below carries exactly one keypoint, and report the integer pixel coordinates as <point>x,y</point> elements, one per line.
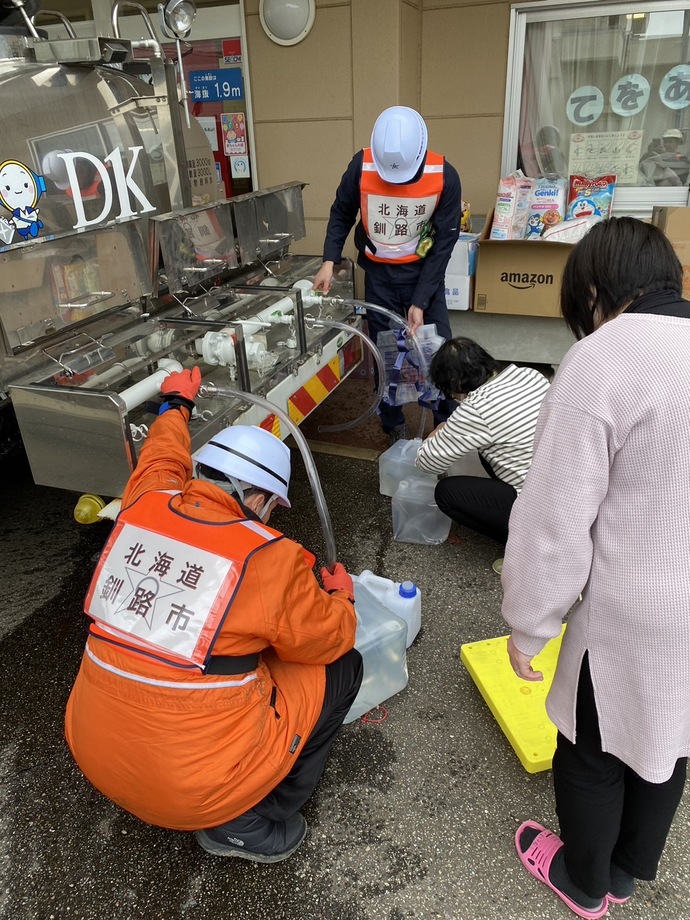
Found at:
<point>459,292</point>
<point>675,222</point>
<point>519,276</point>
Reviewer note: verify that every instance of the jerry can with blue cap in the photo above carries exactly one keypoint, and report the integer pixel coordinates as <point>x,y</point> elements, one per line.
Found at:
<point>381,639</point>
<point>403,599</point>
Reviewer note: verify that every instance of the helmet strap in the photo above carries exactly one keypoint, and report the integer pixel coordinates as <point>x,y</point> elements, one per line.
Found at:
<point>237,486</point>
<point>268,507</point>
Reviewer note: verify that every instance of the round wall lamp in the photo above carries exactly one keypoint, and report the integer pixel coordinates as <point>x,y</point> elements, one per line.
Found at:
<point>287,22</point>
<point>176,17</point>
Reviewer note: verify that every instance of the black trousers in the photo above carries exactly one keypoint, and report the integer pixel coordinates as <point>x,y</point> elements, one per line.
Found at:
<point>483,505</point>
<point>397,297</point>
<point>343,679</point>
<point>607,813</point>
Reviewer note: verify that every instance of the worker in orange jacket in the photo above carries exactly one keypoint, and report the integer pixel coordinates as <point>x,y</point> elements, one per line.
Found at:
<point>217,671</point>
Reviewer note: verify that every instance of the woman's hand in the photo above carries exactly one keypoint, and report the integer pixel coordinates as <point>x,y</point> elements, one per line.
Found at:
<point>521,663</point>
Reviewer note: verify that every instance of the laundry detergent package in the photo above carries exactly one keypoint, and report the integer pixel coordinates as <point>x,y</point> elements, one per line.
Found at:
<point>590,197</point>
<point>546,205</point>
<point>512,207</point>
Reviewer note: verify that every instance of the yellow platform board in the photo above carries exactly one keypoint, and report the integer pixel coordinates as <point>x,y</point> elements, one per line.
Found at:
<point>518,705</point>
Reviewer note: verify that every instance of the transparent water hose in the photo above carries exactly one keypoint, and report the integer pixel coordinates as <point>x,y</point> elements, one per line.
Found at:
<point>211,390</point>
<point>399,321</point>
<point>378,360</point>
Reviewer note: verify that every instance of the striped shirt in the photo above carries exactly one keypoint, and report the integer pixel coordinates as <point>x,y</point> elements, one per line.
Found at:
<point>498,419</point>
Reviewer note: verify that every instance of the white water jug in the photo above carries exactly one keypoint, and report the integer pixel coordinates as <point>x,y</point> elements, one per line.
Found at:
<point>416,516</point>
<point>404,599</point>
<point>397,463</point>
<point>381,638</point>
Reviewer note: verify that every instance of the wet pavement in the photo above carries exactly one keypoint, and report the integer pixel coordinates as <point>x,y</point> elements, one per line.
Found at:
<point>414,817</point>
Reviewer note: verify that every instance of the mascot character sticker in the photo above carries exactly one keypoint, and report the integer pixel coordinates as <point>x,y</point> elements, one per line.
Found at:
<point>20,189</point>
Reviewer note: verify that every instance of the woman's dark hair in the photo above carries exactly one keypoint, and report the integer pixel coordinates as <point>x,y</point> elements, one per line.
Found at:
<point>460,366</point>
<point>616,262</point>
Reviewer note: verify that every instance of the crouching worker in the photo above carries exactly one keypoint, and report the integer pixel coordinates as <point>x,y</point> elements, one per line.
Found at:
<point>496,417</point>
<point>216,672</point>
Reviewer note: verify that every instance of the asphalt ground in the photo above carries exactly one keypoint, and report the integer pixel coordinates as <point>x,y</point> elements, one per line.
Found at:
<point>413,818</point>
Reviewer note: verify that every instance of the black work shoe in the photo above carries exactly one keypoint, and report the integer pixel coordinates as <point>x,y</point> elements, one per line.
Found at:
<point>399,433</point>
<point>253,837</point>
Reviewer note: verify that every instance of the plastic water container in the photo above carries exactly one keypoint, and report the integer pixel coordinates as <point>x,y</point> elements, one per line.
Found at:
<point>381,640</point>
<point>397,463</point>
<point>401,367</point>
<point>404,599</point>
<point>416,516</point>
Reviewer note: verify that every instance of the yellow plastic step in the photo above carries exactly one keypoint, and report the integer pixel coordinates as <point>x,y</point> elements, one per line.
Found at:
<point>517,705</point>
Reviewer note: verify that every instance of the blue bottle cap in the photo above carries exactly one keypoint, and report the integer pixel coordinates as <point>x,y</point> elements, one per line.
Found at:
<point>407,589</point>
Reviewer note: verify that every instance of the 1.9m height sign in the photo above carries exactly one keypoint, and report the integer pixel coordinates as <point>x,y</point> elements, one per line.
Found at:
<point>216,85</point>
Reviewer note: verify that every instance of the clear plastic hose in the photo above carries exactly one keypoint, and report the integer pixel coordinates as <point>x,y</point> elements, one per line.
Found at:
<point>399,321</point>
<point>211,390</point>
<point>376,354</point>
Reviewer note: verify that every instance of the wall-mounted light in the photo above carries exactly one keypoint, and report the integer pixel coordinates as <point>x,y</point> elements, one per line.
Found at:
<point>176,17</point>
<point>287,22</point>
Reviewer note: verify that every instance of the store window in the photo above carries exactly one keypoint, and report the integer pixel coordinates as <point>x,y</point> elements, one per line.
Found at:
<point>597,89</point>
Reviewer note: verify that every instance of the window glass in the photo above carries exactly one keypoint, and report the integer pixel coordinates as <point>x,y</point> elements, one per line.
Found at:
<point>608,94</point>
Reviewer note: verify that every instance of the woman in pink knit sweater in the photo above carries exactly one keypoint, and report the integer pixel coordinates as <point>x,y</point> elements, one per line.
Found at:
<point>604,513</point>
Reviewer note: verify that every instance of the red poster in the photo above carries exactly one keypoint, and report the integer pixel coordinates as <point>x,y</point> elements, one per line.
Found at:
<point>234,130</point>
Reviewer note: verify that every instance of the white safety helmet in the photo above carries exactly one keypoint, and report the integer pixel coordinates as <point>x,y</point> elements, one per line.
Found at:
<point>675,133</point>
<point>249,454</point>
<point>398,144</point>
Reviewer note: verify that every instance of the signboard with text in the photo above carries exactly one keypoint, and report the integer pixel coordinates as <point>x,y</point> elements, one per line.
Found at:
<point>216,85</point>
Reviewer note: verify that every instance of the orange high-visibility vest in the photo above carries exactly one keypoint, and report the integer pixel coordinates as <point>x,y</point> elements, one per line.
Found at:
<point>165,583</point>
<point>393,215</point>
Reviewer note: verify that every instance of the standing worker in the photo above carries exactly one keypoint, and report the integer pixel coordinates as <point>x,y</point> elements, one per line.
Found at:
<point>217,671</point>
<point>409,201</point>
<point>604,511</point>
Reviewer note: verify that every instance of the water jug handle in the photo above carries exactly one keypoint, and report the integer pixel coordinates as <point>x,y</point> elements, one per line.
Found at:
<point>410,448</point>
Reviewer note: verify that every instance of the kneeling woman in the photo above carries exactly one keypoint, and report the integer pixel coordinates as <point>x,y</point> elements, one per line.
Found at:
<point>496,416</point>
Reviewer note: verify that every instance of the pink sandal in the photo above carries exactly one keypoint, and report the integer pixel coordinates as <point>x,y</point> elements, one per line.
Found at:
<point>537,859</point>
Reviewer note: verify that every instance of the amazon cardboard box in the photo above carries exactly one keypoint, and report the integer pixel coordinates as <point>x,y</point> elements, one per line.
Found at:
<point>675,222</point>
<point>518,276</point>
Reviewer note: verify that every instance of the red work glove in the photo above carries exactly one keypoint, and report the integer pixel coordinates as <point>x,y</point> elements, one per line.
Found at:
<point>180,388</point>
<point>182,383</point>
<point>338,580</point>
